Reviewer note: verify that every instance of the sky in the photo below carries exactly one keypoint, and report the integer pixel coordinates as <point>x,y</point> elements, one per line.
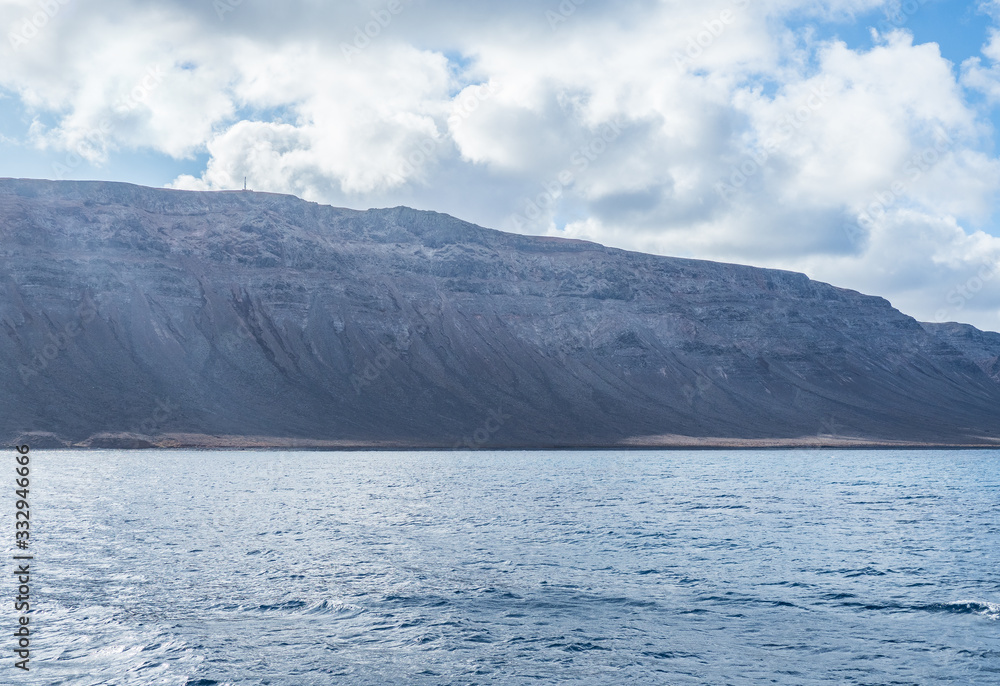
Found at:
<point>853,140</point>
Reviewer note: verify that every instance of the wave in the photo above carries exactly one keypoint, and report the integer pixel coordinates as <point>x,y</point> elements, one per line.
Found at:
<point>961,607</point>
<point>986,609</point>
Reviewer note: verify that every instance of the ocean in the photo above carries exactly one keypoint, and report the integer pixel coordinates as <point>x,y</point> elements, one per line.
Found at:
<point>633,567</point>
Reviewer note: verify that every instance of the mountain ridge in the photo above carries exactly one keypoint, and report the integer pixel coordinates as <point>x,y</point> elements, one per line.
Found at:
<point>275,321</point>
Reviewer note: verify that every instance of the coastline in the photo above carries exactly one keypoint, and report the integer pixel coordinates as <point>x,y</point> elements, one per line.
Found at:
<point>664,442</point>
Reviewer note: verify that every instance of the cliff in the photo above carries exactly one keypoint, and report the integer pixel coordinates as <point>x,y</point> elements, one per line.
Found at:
<point>138,316</point>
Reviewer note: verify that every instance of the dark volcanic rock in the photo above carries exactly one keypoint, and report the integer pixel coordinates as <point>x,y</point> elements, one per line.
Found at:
<point>982,347</point>
<point>128,313</point>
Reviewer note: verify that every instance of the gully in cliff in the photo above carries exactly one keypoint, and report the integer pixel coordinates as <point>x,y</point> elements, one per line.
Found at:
<point>58,341</point>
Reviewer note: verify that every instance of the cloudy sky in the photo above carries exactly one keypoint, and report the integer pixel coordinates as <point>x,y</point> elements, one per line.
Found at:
<point>854,140</point>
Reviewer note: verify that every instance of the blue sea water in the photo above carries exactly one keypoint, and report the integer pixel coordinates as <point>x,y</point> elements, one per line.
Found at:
<point>700,567</point>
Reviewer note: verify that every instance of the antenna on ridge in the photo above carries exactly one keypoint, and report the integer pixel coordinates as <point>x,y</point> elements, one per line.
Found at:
<point>244,183</point>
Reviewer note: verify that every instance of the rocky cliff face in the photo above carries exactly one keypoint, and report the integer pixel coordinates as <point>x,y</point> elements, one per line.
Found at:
<point>982,347</point>
<point>160,314</point>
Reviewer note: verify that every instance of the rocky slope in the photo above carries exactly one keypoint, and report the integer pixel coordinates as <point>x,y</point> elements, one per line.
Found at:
<point>982,347</point>
<point>137,315</point>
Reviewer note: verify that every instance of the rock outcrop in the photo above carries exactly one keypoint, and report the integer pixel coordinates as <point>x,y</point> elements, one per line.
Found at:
<point>133,316</point>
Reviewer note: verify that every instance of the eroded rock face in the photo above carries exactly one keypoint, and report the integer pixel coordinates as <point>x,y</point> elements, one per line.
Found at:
<point>982,347</point>
<point>132,313</point>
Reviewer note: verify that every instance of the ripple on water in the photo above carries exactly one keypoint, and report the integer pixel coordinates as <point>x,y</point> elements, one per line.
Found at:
<point>787,568</point>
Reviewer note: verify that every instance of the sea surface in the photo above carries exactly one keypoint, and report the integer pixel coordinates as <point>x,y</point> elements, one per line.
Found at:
<point>700,567</point>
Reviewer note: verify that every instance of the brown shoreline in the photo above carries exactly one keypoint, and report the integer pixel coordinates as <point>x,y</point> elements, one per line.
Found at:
<point>665,442</point>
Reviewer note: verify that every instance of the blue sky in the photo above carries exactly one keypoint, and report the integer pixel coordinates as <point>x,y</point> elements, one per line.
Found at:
<point>779,133</point>
<point>959,27</point>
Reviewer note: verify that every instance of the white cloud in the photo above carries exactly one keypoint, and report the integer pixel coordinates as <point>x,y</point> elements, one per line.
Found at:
<point>738,134</point>
<point>985,79</point>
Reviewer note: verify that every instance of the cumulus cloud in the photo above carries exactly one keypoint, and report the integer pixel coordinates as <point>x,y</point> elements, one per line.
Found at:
<point>724,129</point>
